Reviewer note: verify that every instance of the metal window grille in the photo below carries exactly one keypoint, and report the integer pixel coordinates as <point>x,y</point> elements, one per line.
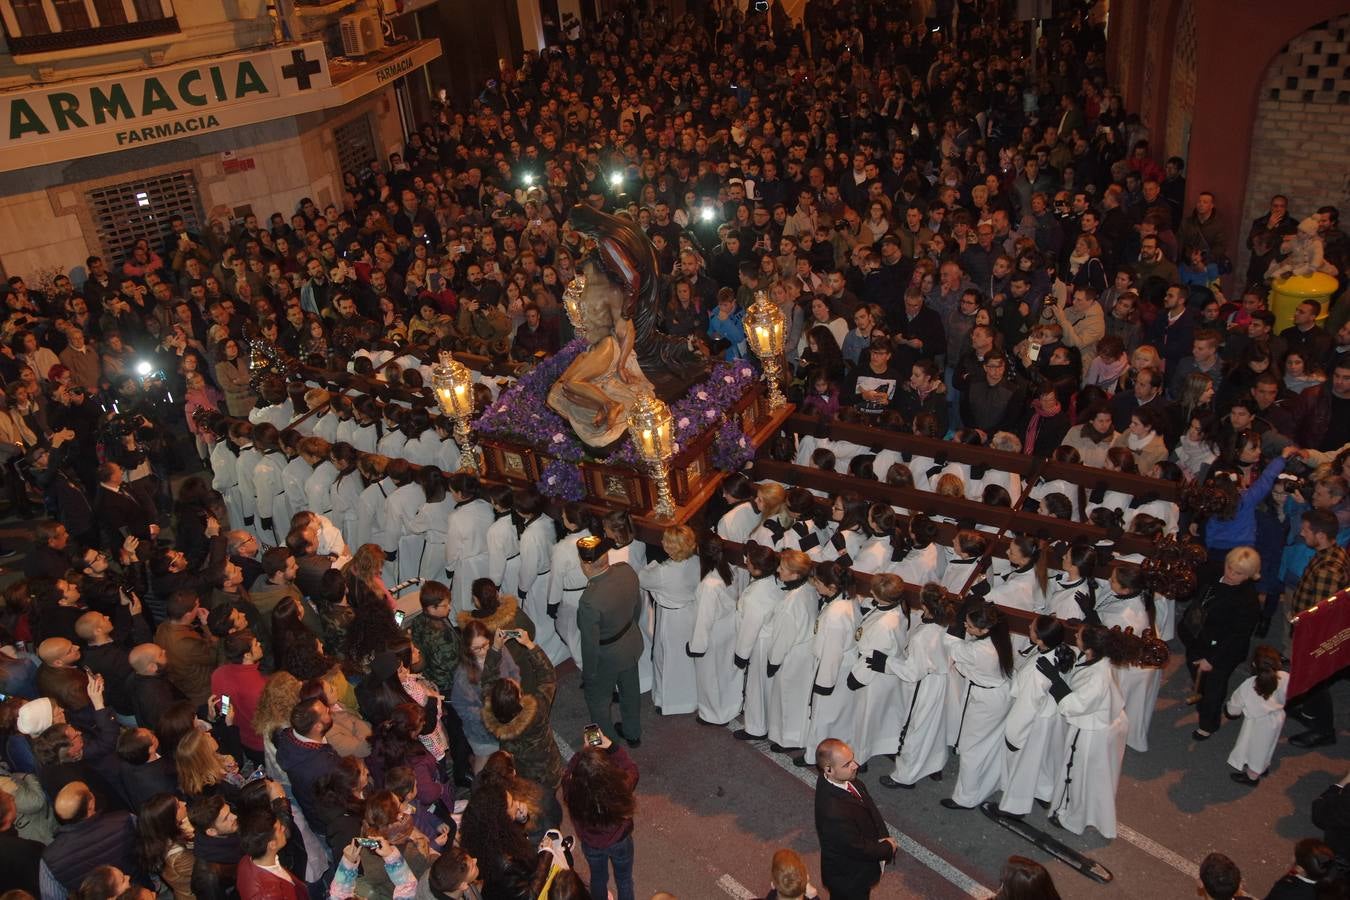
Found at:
<point>125,213</point>
<point>355,144</point>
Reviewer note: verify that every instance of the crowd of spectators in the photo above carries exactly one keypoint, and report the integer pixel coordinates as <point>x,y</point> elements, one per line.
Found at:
<point>969,237</point>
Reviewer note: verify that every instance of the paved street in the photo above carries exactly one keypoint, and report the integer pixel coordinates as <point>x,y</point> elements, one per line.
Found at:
<point>713,809</point>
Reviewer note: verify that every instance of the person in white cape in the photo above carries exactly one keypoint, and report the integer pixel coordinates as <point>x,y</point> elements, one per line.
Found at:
<point>1094,744</point>
<point>721,690</point>
<point>924,670</point>
<point>790,664</point>
<point>1260,702</point>
<point>466,552</point>
<point>982,655</point>
<point>875,692</point>
<point>537,536</point>
<point>1034,730</point>
<point>566,581</point>
<point>835,649</point>
<point>756,609</point>
<point>671,588</point>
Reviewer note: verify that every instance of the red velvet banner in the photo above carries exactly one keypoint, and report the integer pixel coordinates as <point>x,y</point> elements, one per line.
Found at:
<point>1321,645</point>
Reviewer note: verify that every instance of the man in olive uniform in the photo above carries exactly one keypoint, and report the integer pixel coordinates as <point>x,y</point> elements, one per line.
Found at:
<point>611,640</point>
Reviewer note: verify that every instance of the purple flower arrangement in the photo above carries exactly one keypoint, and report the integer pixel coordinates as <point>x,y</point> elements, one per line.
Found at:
<point>521,414</point>
<point>562,480</point>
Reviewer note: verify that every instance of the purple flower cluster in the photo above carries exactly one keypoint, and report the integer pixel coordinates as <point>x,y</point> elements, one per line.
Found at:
<point>704,406</point>
<point>562,480</point>
<point>731,449</point>
<point>521,412</point>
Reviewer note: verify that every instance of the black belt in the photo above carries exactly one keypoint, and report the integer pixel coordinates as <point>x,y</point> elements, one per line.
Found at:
<point>605,642</point>
<point>573,590</point>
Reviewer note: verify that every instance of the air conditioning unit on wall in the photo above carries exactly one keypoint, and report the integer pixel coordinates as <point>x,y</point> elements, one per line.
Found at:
<point>362,34</point>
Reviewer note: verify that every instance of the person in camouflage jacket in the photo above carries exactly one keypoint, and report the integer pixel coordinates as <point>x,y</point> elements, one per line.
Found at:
<point>436,637</point>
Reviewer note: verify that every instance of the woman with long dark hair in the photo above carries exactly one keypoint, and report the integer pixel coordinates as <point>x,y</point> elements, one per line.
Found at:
<point>400,740</point>
<point>720,690</point>
<point>342,793</point>
<point>1094,744</point>
<point>982,655</point>
<point>598,791</point>
<point>1072,593</point>
<point>1260,702</point>
<point>882,632</point>
<point>492,831</point>
<point>483,663</point>
<point>756,609</point>
<point>520,719</point>
<point>164,844</point>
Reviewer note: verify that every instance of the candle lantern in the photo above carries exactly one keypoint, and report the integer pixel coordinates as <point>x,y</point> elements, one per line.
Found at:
<point>765,332</point>
<point>652,429</point>
<point>452,383</point>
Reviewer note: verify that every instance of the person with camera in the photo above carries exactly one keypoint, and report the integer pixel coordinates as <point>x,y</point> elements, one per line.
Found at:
<point>519,720</point>
<point>598,791</point>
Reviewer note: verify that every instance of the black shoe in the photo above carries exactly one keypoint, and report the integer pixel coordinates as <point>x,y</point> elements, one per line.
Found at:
<point>8,555</point>
<point>1242,778</point>
<point>702,721</point>
<point>801,763</point>
<point>632,742</point>
<point>949,803</point>
<point>1043,804</point>
<point>1198,735</point>
<point>741,734</point>
<point>889,782</point>
<point>1263,627</point>
<point>1311,739</point>
<point>1003,813</point>
<point>936,776</point>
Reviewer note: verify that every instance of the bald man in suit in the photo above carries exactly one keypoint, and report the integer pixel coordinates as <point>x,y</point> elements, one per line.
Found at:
<point>854,840</point>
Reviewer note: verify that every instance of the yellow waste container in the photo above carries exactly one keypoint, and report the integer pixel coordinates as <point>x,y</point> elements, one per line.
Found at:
<point>1287,293</point>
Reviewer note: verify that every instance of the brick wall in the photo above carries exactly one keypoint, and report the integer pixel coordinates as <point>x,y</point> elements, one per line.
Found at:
<point>1301,136</point>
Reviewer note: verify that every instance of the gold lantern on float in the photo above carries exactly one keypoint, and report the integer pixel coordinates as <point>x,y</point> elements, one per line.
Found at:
<point>765,331</point>
<point>453,383</point>
<point>652,429</point>
<point>572,303</point>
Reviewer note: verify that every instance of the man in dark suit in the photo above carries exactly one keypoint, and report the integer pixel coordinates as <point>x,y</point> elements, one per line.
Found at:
<point>118,512</point>
<point>611,640</point>
<point>854,843</point>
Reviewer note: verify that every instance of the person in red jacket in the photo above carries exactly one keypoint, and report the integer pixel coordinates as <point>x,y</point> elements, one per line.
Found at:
<point>260,875</point>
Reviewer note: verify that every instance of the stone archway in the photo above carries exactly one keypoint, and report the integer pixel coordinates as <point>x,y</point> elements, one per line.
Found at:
<point>1301,133</point>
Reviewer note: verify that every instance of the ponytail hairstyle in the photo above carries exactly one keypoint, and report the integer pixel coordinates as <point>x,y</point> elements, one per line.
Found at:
<point>1083,556</point>
<point>501,496</point>
<point>887,589</point>
<point>834,574</point>
<point>1034,549</point>
<point>860,466</point>
<point>1110,644</point>
<point>580,515</point>
<point>995,495</point>
<point>712,557</point>
<point>371,467</point>
<point>933,602</point>
<point>1051,632</point>
<point>738,487</point>
<point>1109,519</point>
<point>343,456</point>
<point>1058,506</point>
<point>618,527</point>
<point>1147,526</point>
<point>1266,668</point>
<point>1132,580</point>
<point>760,560</point>
<point>971,543</point>
<point>770,497</point>
<point>797,561</point>
<point>986,616</point>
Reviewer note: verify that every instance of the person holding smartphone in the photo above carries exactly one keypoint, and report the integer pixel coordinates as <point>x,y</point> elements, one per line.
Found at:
<point>598,790</point>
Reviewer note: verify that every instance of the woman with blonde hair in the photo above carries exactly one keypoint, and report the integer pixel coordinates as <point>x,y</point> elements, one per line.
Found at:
<point>771,501</point>
<point>203,769</point>
<point>279,696</point>
<point>671,586</point>
<point>1227,618</point>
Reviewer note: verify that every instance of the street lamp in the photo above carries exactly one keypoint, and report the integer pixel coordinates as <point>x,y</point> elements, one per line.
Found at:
<point>572,303</point>
<point>765,330</point>
<point>652,429</point>
<point>453,383</point>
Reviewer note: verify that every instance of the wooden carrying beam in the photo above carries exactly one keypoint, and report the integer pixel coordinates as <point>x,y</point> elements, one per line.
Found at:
<point>970,454</point>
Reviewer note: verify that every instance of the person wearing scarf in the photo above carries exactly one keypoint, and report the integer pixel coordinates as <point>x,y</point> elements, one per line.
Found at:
<point>1047,424</point>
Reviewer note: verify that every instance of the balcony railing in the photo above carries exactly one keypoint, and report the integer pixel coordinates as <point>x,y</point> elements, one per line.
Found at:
<point>43,26</point>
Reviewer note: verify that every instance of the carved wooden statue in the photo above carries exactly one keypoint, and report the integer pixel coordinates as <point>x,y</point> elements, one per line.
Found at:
<point>620,307</point>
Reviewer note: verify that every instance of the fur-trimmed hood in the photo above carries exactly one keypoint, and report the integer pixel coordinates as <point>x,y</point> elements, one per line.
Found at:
<point>504,617</point>
<point>513,730</point>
